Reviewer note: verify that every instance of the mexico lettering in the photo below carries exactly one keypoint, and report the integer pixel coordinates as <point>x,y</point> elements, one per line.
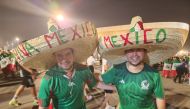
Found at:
<point>146,36</point>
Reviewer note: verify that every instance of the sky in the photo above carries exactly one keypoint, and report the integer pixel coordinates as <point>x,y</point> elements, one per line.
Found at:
<point>27,19</point>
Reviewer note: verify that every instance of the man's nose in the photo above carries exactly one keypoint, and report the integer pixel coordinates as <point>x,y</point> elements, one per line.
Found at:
<point>62,57</point>
<point>134,53</point>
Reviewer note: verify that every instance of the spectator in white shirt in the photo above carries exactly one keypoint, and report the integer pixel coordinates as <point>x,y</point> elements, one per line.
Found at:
<point>90,62</point>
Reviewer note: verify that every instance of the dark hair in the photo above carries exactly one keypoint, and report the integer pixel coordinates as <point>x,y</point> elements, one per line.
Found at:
<point>133,49</point>
<point>62,49</point>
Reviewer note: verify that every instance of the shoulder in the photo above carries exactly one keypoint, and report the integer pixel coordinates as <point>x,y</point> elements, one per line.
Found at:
<point>51,70</point>
<point>50,73</point>
<point>82,71</point>
<point>116,68</point>
<point>150,69</point>
<point>119,66</point>
<point>81,67</point>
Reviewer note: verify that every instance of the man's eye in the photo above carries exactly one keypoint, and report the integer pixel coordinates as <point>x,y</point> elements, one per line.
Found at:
<point>59,55</point>
<point>129,51</point>
<point>68,54</point>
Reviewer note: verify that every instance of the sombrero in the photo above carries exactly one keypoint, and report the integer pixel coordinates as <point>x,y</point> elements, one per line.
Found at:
<point>161,39</point>
<point>37,52</point>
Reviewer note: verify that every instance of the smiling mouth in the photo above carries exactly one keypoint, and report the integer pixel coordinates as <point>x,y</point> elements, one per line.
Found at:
<point>65,62</point>
<point>135,58</point>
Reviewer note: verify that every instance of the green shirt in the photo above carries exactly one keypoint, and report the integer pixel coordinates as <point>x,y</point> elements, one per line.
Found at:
<point>136,90</point>
<point>65,93</point>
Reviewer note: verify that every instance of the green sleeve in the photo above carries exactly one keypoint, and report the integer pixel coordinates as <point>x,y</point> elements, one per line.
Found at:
<point>158,89</point>
<point>44,92</point>
<point>90,79</point>
<point>108,77</point>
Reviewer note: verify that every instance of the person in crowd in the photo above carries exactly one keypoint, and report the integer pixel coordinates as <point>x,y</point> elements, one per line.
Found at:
<point>181,70</point>
<point>28,76</point>
<point>90,62</point>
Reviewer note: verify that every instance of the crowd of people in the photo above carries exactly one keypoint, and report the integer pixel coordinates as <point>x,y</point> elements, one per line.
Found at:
<point>177,68</point>
<point>7,64</point>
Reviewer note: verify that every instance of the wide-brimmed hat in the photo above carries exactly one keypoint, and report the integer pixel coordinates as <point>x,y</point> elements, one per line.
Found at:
<point>161,39</point>
<point>38,52</point>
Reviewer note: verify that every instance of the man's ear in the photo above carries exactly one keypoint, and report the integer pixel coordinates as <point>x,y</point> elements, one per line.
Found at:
<point>146,58</point>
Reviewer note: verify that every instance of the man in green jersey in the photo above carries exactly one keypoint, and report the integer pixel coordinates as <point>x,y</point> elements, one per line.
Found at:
<point>137,83</point>
<point>130,50</point>
<point>64,83</point>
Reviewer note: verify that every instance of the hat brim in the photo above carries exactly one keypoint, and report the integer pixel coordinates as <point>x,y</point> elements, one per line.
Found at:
<point>176,35</point>
<point>37,53</point>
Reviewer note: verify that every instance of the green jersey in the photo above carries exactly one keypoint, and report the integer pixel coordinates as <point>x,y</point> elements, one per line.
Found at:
<point>136,90</point>
<point>65,93</point>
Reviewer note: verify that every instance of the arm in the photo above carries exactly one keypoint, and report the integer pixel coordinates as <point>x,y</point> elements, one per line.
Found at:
<point>44,94</point>
<point>30,71</point>
<point>25,68</point>
<point>161,104</point>
<point>159,92</point>
<point>43,107</point>
<point>108,79</point>
<point>103,86</point>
